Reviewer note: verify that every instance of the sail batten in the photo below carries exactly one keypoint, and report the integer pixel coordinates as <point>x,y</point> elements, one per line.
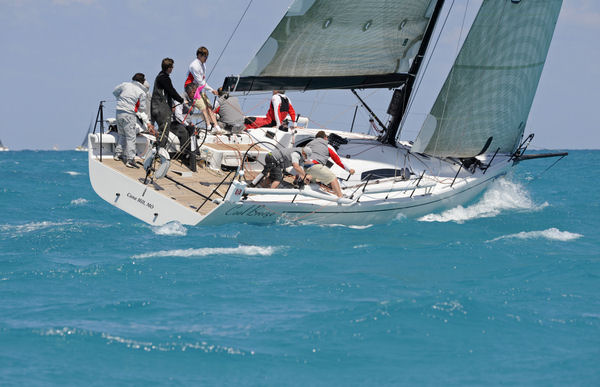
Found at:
<point>337,42</point>
<point>490,88</point>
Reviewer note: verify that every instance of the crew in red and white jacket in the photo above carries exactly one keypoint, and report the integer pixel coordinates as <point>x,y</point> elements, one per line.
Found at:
<point>280,109</point>
<point>197,77</point>
<point>317,167</point>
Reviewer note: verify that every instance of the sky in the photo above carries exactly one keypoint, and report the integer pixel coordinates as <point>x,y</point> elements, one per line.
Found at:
<point>61,57</point>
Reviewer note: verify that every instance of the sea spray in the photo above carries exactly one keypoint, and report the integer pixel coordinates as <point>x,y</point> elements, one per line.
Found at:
<point>553,234</point>
<point>504,195</point>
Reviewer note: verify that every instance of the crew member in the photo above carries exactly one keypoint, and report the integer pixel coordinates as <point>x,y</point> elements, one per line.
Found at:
<point>162,100</point>
<point>131,105</point>
<point>230,113</point>
<point>197,76</point>
<point>321,152</point>
<point>280,109</point>
<point>279,160</point>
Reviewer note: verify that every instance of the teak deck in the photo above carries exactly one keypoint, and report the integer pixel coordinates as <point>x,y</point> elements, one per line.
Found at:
<point>173,185</point>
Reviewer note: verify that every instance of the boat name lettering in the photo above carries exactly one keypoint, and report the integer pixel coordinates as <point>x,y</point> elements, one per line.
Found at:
<point>256,210</point>
<point>140,200</point>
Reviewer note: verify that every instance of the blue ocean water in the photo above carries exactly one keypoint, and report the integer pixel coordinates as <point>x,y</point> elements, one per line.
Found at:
<point>504,290</point>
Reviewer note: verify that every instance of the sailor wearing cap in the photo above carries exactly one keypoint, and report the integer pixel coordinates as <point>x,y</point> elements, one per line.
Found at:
<point>287,158</point>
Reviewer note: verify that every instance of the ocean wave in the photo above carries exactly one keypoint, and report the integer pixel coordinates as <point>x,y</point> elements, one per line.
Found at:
<point>73,173</point>
<point>173,346</point>
<point>172,228</point>
<point>147,346</point>
<point>206,251</point>
<point>30,227</point>
<point>353,227</point>
<point>78,202</point>
<point>553,234</point>
<point>503,195</point>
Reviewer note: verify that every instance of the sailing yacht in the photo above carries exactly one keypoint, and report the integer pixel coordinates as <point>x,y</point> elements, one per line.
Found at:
<point>2,147</point>
<point>472,136</point>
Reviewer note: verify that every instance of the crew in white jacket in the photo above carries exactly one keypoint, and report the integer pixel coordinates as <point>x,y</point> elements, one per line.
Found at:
<point>197,77</point>
<point>131,106</point>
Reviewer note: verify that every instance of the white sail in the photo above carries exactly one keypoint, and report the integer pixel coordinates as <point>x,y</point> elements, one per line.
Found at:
<point>343,43</point>
<point>491,86</point>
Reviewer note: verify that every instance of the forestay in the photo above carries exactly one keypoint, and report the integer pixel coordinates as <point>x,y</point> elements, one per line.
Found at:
<point>339,44</point>
<point>491,86</point>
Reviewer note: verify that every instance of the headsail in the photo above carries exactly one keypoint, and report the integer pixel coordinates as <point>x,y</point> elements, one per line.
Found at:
<point>491,86</point>
<point>339,44</point>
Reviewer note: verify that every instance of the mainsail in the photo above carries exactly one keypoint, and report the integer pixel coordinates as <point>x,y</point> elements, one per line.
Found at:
<point>329,44</point>
<point>490,88</point>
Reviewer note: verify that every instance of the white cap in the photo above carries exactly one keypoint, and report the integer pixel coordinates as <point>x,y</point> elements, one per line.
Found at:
<point>307,151</point>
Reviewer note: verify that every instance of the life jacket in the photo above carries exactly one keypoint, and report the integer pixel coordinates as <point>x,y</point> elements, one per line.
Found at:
<point>284,156</point>
<point>320,149</point>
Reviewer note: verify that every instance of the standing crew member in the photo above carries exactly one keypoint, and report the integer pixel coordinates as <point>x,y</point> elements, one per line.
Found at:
<point>162,100</point>
<point>131,105</point>
<point>197,76</point>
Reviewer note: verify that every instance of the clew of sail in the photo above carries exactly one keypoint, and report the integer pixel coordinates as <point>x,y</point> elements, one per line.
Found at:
<point>323,44</point>
<point>490,88</point>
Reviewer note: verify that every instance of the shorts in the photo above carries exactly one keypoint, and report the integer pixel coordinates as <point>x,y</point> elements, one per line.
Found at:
<point>321,173</point>
<point>202,102</point>
<point>272,168</point>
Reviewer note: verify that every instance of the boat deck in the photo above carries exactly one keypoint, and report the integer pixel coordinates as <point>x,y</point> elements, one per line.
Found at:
<point>181,184</point>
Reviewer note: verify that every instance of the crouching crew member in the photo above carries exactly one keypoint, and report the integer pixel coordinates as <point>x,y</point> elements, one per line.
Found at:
<point>231,117</point>
<point>279,160</point>
<point>321,152</point>
<point>280,109</point>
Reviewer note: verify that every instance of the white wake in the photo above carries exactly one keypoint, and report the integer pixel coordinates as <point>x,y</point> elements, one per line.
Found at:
<point>553,234</point>
<point>78,202</point>
<point>206,251</point>
<point>173,228</point>
<point>503,195</point>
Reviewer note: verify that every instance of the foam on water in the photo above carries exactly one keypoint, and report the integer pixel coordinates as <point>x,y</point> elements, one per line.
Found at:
<point>172,228</point>
<point>206,251</point>
<point>73,173</point>
<point>354,227</point>
<point>78,202</point>
<point>503,195</point>
<point>552,234</point>
<point>30,227</point>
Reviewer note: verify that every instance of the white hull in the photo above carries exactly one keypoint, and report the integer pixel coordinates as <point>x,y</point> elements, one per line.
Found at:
<point>381,201</point>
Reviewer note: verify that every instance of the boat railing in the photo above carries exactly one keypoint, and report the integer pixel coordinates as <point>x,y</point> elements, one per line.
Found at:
<point>100,119</point>
<point>296,192</point>
<point>352,199</point>
<point>215,191</point>
<point>412,185</point>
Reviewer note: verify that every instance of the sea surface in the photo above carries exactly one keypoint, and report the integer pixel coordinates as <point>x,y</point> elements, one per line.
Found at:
<point>502,291</point>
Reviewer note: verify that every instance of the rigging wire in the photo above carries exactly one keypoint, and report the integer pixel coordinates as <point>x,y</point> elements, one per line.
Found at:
<point>422,72</point>
<point>230,37</point>
<point>545,170</point>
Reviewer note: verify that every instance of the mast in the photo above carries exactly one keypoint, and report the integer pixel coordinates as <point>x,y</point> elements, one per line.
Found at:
<point>401,96</point>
